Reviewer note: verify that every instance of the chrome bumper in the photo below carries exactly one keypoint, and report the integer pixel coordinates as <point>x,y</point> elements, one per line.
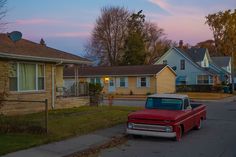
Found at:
<point>150,133</point>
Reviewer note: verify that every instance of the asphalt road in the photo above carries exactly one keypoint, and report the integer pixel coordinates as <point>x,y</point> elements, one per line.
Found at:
<point>217,138</point>
<point>124,102</point>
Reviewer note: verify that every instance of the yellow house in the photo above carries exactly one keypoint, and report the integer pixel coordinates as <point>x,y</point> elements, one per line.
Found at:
<point>140,79</point>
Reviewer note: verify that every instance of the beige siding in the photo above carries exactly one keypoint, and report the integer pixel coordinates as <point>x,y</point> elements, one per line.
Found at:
<point>132,86</point>
<point>59,76</point>
<point>165,81</point>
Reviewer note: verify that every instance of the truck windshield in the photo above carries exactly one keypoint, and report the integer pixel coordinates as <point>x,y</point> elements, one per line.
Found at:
<point>164,103</point>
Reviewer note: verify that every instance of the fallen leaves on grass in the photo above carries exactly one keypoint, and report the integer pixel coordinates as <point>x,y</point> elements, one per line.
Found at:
<point>94,152</point>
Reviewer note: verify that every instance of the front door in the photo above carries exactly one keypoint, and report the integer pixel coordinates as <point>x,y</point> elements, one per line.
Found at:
<point>111,87</point>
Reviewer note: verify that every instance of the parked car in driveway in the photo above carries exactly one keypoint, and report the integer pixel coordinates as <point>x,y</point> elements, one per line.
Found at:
<point>166,115</point>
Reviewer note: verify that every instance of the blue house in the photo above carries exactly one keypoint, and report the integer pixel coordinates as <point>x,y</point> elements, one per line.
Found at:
<point>193,66</point>
<point>224,62</point>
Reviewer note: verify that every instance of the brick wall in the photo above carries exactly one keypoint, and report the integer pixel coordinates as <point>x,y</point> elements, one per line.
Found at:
<point>15,108</point>
<point>19,107</point>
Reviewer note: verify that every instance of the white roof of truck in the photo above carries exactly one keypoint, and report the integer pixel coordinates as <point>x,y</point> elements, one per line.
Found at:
<point>175,96</point>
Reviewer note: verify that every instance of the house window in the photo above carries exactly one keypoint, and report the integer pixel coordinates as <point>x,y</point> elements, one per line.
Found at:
<point>204,79</point>
<point>95,80</point>
<point>164,61</point>
<point>13,77</point>
<point>26,77</point>
<point>122,81</point>
<point>182,64</point>
<point>143,82</point>
<point>41,77</point>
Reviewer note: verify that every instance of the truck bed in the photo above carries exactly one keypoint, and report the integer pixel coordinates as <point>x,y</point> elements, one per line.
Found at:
<point>194,105</point>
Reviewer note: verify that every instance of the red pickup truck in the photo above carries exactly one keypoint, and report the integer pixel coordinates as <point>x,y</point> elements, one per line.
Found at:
<point>166,115</point>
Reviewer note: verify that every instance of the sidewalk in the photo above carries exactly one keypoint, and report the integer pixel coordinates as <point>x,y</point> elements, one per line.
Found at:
<point>72,145</point>
<point>227,99</point>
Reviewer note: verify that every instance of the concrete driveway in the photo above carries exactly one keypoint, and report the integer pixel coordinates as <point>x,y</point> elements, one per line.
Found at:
<point>217,138</point>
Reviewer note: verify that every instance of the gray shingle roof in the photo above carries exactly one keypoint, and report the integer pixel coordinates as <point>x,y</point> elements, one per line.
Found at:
<point>25,47</point>
<point>116,70</point>
<point>196,54</point>
<point>222,61</point>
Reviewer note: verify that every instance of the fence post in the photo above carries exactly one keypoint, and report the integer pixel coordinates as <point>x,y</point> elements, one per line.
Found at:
<point>46,115</point>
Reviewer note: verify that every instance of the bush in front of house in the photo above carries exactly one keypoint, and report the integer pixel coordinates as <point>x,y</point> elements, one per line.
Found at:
<point>199,88</point>
<point>95,93</point>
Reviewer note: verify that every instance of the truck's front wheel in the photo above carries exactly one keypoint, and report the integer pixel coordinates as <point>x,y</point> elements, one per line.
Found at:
<point>179,133</point>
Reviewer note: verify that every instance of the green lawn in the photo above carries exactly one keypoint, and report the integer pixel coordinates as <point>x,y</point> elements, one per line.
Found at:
<point>62,124</point>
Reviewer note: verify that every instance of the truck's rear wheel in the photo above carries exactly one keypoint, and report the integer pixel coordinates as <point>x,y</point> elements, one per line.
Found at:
<point>199,124</point>
<point>179,133</point>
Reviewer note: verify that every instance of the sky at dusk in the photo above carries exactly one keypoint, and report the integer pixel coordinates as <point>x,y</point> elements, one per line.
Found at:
<point>67,24</point>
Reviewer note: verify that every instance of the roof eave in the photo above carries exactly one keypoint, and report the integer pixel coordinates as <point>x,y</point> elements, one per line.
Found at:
<point>42,59</point>
<point>83,76</point>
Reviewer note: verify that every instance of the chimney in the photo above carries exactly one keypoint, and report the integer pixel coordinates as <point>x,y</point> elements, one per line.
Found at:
<point>42,42</point>
<point>181,43</point>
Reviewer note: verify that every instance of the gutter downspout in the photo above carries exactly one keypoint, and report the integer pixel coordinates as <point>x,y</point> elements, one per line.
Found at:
<point>155,76</point>
<point>53,83</point>
<point>53,87</point>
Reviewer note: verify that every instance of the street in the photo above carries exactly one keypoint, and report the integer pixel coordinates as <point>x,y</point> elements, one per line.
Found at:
<point>217,138</point>
<point>124,102</point>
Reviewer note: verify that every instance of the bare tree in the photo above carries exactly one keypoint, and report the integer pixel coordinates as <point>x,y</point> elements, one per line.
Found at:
<point>156,42</point>
<point>3,12</point>
<point>3,93</point>
<point>106,43</point>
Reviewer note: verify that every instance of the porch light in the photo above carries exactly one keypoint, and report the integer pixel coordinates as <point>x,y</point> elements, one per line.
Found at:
<point>106,79</point>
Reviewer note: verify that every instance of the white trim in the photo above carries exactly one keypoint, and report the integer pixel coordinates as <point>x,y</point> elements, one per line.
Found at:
<point>204,83</point>
<point>53,87</point>
<point>138,82</point>
<point>197,66</point>
<point>110,75</point>
<point>151,133</point>
<point>167,67</point>
<point>18,76</point>
<point>36,77</point>
<point>36,58</point>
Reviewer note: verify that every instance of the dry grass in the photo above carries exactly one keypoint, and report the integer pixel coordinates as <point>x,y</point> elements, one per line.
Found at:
<point>206,96</point>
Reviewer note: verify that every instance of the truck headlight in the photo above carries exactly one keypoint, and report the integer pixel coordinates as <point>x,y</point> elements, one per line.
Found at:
<point>169,129</point>
<point>130,125</point>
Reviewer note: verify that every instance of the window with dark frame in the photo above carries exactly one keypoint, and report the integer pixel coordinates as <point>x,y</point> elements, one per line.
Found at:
<point>164,61</point>
<point>203,79</point>
<point>182,64</point>
<point>143,82</point>
<point>122,81</point>
<point>95,80</point>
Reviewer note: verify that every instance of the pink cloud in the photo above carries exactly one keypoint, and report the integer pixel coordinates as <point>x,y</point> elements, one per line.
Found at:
<point>37,21</point>
<point>191,29</point>
<point>42,21</point>
<point>72,34</point>
<point>184,23</point>
<point>161,3</point>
